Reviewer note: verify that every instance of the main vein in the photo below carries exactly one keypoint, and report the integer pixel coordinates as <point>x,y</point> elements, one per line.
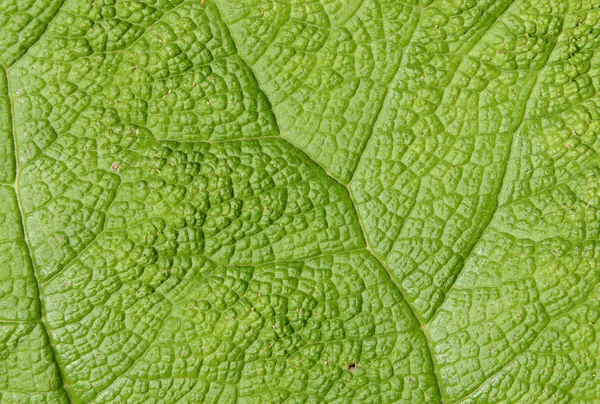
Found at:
<point>15,186</point>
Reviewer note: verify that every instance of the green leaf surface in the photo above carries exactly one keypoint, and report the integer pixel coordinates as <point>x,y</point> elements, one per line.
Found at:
<point>299,201</point>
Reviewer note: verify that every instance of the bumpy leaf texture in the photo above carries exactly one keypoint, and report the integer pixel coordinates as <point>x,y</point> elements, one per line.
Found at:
<point>299,201</point>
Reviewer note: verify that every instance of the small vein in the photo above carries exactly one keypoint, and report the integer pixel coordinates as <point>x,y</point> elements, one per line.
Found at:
<point>90,243</point>
<point>402,63</point>
<point>62,2</point>
<point>150,344</point>
<point>504,172</point>
<point>385,96</point>
<point>502,368</point>
<point>558,313</point>
<point>329,174</point>
<point>237,139</point>
<point>284,261</point>
<point>467,51</point>
<point>229,32</point>
<point>563,182</point>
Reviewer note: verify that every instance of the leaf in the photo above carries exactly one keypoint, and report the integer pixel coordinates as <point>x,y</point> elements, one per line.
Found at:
<point>334,201</point>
